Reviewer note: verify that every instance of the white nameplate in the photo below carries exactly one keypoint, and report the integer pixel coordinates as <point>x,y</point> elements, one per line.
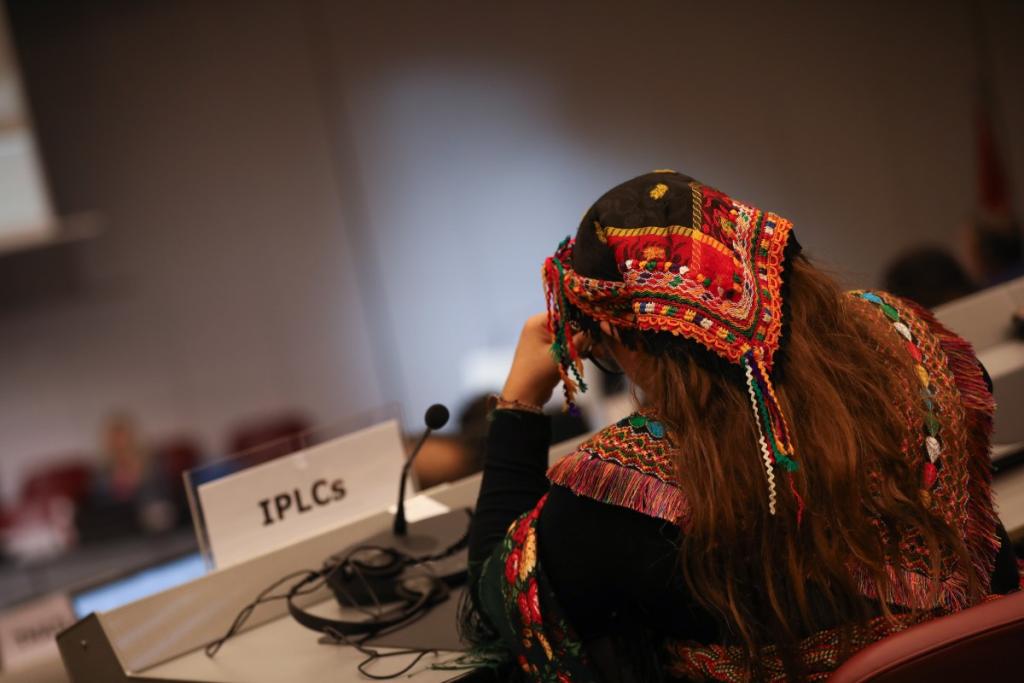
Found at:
<point>285,500</point>
<point>27,632</point>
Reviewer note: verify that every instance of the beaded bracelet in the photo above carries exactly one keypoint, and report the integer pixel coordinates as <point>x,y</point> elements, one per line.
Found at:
<point>501,403</point>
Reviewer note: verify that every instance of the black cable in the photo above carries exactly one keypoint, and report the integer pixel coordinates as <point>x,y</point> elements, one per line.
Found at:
<point>262,597</point>
<point>309,576</point>
<point>447,552</point>
<point>317,579</point>
<point>372,655</point>
<point>359,643</point>
<point>420,654</point>
<point>243,614</point>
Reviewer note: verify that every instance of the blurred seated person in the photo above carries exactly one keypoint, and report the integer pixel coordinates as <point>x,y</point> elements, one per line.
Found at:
<point>929,275</point>
<point>130,491</point>
<point>123,470</point>
<point>447,458</point>
<point>443,458</point>
<point>475,423</point>
<point>996,249</point>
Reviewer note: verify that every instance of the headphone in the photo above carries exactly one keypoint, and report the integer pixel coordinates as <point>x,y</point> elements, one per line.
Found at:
<point>365,576</point>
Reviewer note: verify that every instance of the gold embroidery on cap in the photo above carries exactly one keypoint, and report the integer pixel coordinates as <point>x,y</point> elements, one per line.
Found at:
<point>654,253</point>
<point>658,191</point>
<point>698,203</point>
<point>600,233</point>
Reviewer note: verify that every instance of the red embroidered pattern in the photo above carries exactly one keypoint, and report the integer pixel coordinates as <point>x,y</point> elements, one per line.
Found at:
<point>716,283</point>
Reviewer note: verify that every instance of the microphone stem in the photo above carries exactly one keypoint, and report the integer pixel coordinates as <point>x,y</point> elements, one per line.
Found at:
<point>400,528</point>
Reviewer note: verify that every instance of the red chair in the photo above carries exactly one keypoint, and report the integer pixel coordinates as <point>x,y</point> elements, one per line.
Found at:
<point>70,479</point>
<point>978,644</point>
<point>175,456</point>
<point>43,522</point>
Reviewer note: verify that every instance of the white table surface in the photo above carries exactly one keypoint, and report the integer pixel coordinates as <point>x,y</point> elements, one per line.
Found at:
<point>282,650</point>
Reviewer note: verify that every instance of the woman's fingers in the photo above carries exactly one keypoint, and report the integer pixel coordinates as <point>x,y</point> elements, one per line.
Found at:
<point>533,375</point>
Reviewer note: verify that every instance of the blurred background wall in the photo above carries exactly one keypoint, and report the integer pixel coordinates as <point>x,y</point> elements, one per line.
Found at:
<point>329,206</point>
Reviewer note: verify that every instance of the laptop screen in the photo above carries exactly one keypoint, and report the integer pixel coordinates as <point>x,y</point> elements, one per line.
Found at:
<point>138,585</point>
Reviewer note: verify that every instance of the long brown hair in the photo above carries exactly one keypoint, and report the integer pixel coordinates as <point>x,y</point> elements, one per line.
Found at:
<point>846,387</point>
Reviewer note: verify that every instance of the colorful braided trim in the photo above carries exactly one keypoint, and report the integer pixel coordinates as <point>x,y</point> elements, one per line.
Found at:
<point>932,424</point>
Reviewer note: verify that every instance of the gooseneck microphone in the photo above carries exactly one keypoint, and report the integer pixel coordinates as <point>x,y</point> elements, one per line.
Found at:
<point>436,417</point>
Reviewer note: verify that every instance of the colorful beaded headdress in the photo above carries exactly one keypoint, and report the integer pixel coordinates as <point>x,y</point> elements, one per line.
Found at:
<point>710,270</point>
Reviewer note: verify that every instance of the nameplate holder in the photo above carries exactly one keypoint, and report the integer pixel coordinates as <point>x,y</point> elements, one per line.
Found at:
<point>28,632</point>
<point>274,504</point>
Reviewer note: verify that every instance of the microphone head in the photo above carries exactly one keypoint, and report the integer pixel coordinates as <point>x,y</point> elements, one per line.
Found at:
<point>436,417</point>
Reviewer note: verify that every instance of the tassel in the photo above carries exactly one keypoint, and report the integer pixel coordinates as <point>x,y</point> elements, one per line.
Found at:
<point>773,432</point>
<point>765,453</point>
<point>799,501</point>
<point>563,350</point>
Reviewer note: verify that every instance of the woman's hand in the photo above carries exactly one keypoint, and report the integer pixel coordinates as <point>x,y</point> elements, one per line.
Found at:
<point>534,374</point>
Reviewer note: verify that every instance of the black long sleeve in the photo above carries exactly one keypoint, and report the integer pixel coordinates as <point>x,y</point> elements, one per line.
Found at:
<point>514,477</point>
<point>608,565</point>
<point>613,568</point>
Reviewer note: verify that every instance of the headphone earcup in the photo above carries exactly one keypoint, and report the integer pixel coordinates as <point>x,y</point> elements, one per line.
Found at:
<point>418,593</point>
<point>371,579</point>
<point>417,588</point>
<point>376,562</point>
<point>368,578</point>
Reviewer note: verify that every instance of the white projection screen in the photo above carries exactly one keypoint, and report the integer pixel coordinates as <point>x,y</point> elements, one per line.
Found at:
<point>26,215</point>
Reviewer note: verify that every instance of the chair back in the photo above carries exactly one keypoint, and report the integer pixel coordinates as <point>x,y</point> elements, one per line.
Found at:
<point>981,643</point>
<point>70,478</point>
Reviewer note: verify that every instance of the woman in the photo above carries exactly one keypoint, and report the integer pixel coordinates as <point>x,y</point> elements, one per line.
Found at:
<point>808,473</point>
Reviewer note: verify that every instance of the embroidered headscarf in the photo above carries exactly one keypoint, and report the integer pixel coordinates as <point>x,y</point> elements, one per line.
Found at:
<point>690,261</point>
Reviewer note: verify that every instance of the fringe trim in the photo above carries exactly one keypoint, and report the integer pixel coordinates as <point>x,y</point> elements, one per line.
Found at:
<point>915,591</point>
<point>617,484</point>
<point>979,406</point>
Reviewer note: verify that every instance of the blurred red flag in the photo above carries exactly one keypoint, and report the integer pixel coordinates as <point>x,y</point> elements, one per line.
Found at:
<point>993,193</point>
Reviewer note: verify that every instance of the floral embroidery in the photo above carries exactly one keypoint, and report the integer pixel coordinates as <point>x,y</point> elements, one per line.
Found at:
<point>550,651</point>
